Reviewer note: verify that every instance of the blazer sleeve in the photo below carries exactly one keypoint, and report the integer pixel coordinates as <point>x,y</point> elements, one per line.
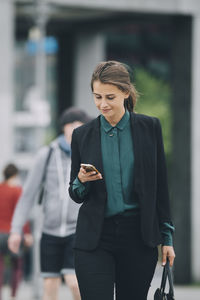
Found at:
<point>163,205</point>
<point>75,167</point>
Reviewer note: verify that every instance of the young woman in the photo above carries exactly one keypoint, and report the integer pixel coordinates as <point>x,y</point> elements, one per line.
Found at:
<point>10,192</point>
<point>125,212</point>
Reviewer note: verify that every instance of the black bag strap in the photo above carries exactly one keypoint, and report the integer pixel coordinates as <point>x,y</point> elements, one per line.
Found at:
<point>45,174</point>
<point>164,280</point>
<point>170,279</point>
<point>167,274</point>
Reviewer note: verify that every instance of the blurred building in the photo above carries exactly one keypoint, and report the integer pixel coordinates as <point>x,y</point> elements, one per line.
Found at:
<point>163,36</point>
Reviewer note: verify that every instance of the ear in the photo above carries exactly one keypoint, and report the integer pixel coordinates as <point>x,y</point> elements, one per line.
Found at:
<point>126,95</point>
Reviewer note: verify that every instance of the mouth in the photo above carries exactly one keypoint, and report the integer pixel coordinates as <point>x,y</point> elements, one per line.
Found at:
<point>105,110</point>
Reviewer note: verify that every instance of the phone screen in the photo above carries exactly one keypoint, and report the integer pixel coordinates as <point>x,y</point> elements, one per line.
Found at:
<point>89,168</point>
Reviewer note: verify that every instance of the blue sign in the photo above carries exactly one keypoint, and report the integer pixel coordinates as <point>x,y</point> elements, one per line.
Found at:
<point>50,46</point>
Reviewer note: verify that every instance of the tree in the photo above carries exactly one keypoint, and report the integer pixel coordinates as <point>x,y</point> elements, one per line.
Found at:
<point>155,100</point>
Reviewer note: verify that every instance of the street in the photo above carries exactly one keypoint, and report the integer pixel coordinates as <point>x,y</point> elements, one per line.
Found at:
<point>26,291</point>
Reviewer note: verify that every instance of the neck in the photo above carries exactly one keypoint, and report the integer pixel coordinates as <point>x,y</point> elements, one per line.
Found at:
<point>115,119</point>
<point>67,138</point>
<point>11,181</point>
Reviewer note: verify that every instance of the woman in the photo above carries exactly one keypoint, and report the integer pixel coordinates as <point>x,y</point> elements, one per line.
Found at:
<point>125,212</point>
<point>10,192</point>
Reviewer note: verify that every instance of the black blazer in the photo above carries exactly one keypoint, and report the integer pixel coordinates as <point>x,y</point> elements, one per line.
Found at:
<point>150,180</point>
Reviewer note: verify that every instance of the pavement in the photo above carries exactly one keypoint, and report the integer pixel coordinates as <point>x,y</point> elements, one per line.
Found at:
<point>27,291</point>
<point>181,292</point>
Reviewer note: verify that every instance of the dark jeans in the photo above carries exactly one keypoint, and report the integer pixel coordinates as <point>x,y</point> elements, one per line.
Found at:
<point>120,260</point>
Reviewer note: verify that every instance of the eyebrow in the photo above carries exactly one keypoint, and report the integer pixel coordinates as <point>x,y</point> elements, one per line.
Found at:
<point>106,94</point>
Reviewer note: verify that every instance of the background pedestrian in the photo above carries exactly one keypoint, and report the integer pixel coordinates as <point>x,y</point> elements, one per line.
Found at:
<point>60,213</point>
<point>10,191</point>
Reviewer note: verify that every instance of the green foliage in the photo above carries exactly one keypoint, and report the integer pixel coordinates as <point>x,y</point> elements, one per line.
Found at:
<point>154,100</point>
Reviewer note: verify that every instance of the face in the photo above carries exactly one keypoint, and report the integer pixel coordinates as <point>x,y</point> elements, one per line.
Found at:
<point>69,128</point>
<point>109,100</point>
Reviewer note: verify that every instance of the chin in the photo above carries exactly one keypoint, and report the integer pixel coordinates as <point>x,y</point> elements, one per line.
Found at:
<point>106,113</point>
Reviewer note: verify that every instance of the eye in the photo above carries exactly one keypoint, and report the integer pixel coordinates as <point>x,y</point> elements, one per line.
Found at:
<point>111,97</point>
<point>97,96</point>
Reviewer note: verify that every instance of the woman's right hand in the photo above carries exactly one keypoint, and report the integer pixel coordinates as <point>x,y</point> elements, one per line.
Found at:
<point>84,176</point>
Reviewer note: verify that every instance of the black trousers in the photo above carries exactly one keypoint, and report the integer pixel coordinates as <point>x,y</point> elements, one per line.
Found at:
<point>121,260</point>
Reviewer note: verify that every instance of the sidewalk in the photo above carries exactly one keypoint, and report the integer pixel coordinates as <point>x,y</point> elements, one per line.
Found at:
<point>26,291</point>
<point>181,292</point>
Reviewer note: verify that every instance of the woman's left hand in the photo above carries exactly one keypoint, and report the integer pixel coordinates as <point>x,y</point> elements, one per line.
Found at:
<point>168,251</point>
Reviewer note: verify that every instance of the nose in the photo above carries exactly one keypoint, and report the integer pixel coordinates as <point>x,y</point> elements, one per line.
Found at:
<point>104,103</point>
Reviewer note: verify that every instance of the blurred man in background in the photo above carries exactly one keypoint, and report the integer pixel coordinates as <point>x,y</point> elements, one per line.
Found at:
<point>52,169</point>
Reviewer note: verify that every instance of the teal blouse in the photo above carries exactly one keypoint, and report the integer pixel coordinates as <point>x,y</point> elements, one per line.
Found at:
<point>118,164</point>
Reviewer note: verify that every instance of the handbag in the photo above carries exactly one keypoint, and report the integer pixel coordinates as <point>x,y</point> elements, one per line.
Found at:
<point>160,292</point>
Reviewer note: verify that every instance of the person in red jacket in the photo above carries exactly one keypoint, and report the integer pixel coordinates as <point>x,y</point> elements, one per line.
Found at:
<point>10,192</point>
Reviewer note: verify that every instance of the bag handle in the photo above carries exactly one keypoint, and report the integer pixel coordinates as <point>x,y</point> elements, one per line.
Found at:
<point>167,274</point>
<point>164,280</point>
<point>170,279</point>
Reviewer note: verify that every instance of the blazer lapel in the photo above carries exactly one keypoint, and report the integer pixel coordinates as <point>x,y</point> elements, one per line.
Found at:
<point>137,146</point>
<point>97,153</point>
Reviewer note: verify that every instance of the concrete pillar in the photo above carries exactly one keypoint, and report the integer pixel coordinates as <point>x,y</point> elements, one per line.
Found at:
<point>90,49</point>
<point>180,185</point>
<point>195,149</point>
<point>6,80</point>
<point>65,71</point>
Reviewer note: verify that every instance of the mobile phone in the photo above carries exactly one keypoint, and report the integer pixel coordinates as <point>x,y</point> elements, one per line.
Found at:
<point>89,168</point>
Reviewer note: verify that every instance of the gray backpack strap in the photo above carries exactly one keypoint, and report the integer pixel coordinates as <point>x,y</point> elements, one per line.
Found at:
<point>41,191</point>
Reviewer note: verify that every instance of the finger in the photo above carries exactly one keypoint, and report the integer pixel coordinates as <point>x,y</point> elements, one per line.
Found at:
<point>164,258</point>
<point>171,260</point>
<point>93,177</point>
<point>83,170</point>
<point>13,246</point>
<point>15,249</point>
<point>91,173</point>
<point>97,176</point>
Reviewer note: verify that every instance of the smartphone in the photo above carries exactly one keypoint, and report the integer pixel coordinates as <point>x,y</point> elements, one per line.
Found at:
<point>89,168</point>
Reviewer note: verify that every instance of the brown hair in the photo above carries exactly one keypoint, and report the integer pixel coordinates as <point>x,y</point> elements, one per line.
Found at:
<point>116,73</point>
<point>9,171</point>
